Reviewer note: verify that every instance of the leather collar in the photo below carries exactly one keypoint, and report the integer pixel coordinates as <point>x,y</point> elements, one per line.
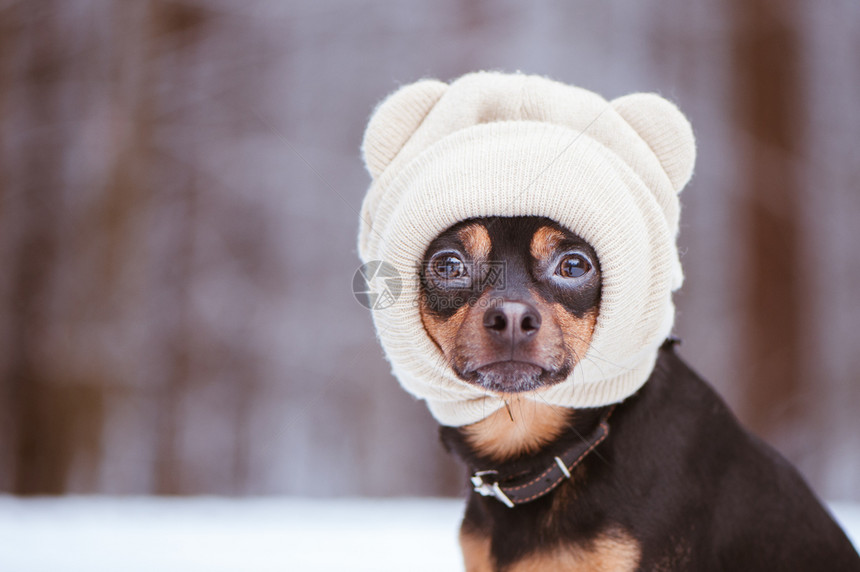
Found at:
<point>520,489</point>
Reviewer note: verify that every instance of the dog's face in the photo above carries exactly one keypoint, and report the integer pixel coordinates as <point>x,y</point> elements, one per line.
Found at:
<point>510,301</point>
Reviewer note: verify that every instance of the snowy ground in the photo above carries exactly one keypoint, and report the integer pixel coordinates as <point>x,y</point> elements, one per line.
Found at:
<point>258,535</point>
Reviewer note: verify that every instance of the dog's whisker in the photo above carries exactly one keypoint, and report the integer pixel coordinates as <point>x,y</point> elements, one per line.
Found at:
<point>508,407</point>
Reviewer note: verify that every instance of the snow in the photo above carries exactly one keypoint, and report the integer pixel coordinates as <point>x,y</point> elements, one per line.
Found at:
<point>216,534</point>
<point>256,535</point>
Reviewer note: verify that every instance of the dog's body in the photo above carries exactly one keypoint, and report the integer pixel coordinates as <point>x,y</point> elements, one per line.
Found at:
<point>677,485</point>
<point>665,480</point>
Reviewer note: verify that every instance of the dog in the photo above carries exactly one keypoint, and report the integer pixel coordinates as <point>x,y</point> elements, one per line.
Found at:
<point>535,223</point>
<point>667,479</point>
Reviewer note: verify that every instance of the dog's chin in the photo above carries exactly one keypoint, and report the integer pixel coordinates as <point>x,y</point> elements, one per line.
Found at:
<point>511,377</point>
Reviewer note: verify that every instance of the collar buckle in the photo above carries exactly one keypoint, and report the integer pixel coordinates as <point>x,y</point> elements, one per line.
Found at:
<point>490,487</point>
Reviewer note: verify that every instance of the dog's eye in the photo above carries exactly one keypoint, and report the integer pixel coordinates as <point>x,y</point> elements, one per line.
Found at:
<point>573,266</point>
<point>448,266</point>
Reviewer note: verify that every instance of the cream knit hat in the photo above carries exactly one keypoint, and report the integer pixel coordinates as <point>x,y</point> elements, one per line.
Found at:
<point>492,144</point>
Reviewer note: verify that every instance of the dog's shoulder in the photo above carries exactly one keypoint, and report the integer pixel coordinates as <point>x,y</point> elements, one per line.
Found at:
<point>705,479</point>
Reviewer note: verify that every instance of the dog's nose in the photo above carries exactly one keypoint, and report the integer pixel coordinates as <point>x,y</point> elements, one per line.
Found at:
<point>514,321</point>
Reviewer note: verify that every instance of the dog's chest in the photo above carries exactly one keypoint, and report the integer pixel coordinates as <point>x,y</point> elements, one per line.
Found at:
<point>614,551</point>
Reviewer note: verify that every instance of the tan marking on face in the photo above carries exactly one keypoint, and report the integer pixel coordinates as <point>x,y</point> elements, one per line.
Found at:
<point>443,331</point>
<point>544,242</point>
<point>576,332</point>
<point>476,552</point>
<point>472,345</point>
<point>614,551</point>
<point>534,425</point>
<point>477,241</point>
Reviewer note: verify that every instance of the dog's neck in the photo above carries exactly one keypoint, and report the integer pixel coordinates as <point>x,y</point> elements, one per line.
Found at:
<point>520,435</point>
<point>520,428</point>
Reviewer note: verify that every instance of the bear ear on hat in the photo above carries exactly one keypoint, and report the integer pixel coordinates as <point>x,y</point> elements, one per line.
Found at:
<point>666,131</point>
<point>395,120</point>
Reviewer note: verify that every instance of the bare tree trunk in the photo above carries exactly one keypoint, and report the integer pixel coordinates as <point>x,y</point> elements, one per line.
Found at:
<point>769,111</point>
<point>40,456</point>
<point>56,421</point>
<point>9,43</point>
<point>177,24</point>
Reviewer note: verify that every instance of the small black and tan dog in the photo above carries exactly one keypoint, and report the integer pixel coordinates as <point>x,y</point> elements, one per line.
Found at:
<point>665,480</point>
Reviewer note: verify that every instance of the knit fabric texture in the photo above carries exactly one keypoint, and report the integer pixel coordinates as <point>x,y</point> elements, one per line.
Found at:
<point>493,144</point>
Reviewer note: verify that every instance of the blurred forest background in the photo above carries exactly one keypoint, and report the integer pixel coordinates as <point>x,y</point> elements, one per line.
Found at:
<point>179,189</point>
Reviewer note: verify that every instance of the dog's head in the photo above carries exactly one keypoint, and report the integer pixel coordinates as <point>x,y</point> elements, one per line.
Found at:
<point>449,156</point>
<point>510,301</point>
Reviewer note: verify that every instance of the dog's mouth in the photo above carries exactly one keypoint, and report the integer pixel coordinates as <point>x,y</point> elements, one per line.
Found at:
<point>511,376</point>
